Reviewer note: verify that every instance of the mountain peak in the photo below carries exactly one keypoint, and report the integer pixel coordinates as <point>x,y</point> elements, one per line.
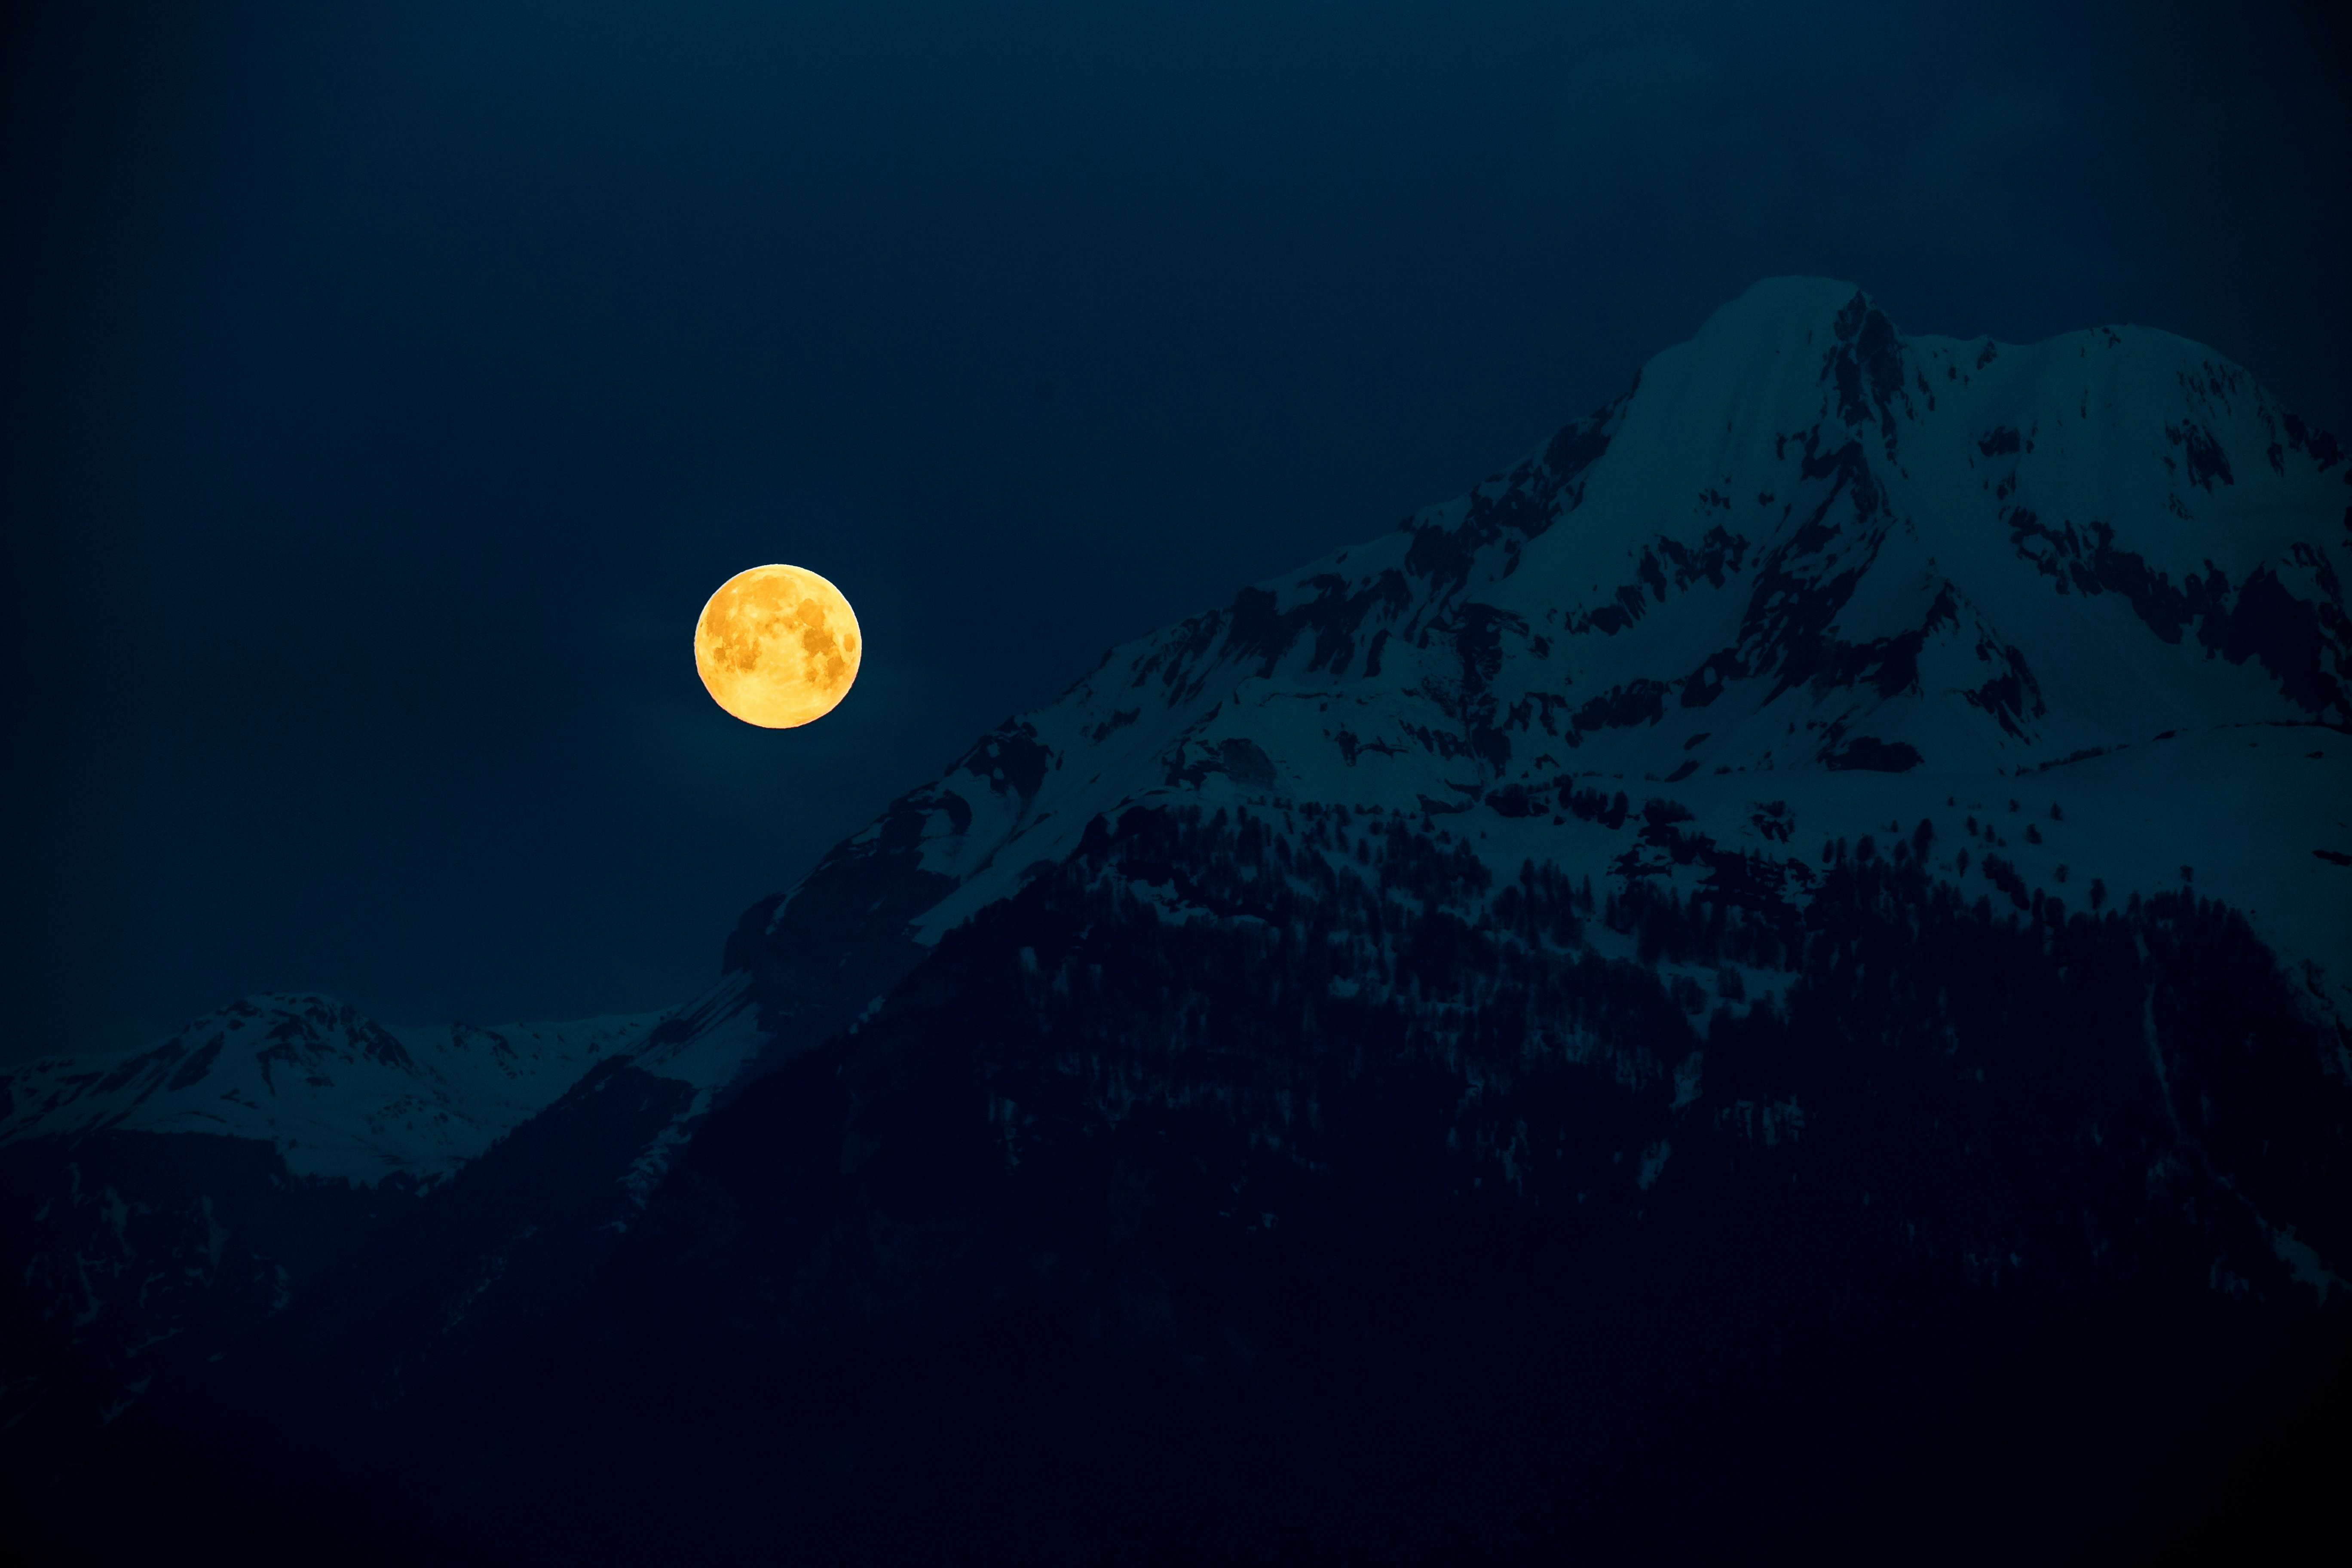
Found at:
<point>1772,313</point>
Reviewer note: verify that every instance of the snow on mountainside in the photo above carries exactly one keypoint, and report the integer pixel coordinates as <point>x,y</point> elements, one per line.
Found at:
<point>288,1154</point>
<point>1808,579</point>
<point>338,1094</point>
<point>342,1096</point>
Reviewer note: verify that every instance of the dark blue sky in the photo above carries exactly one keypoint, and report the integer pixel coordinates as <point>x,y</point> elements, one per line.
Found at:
<point>388,386</point>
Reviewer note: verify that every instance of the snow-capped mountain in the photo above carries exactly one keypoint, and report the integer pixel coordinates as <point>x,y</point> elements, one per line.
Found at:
<point>1808,577</point>
<point>1828,877</point>
<point>1817,903</point>
<point>336,1093</point>
<point>166,1204</point>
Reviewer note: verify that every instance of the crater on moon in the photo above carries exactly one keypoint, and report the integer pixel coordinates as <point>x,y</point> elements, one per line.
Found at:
<point>777,646</point>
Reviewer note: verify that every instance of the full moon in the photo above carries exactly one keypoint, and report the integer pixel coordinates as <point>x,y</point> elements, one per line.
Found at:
<point>777,646</point>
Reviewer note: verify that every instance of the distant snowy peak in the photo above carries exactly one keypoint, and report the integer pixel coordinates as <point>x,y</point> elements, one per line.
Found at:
<point>1802,545</point>
<point>1807,541</point>
<point>342,1096</point>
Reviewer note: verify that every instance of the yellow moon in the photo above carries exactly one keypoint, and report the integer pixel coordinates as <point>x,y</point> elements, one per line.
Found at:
<point>777,646</point>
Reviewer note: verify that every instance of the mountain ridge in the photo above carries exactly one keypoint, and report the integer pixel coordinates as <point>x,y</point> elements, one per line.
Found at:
<point>1450,695</point>
<point>1854,826</point>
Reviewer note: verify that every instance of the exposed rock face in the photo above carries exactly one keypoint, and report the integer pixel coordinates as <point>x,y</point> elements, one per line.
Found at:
<point>1757,969</point>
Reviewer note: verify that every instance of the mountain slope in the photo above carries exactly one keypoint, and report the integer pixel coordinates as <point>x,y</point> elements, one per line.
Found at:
<point>1217,1192</point>
<point>249,1178</point>
<point>336,1093</point>
<point>1781,951</point>
<point>1803,560</point>
<point>1814,904</point>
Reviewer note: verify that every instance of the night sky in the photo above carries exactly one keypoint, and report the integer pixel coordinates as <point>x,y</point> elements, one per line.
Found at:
<point>388,387</point>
